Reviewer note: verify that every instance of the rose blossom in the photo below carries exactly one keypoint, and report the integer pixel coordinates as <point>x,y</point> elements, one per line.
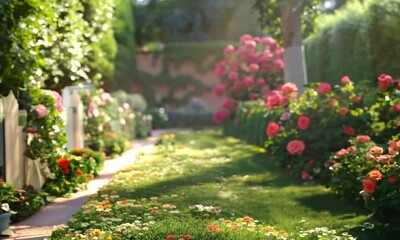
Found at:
<point>295,147</point>
<point>333,103</point>
<point>352,149</point>
<point>384,82</point>
<point>289,87</point>
<point>348,130</point>
<point>342,152</point>
<point>233,76</point>
<point>229,49</point>
<point>253,68</point>
<point>305,175</point>
<point>324,88</point>
<point>384,158</point>
<point>260,82</point>
<point>375,174</point>
<point>363,138</point>
<point>392,179</point>
<point>285,116</point>
<point>375,150</point>
<point>63,162</point>
<point>228,103</point>
<point>303,122</point>
<point>272,129</point>
<point>343,111</point>
<point>41,111</point>
<point>369,186</point>
<point>345,80</point>
<point>357,99</point>
<point>219,89</point>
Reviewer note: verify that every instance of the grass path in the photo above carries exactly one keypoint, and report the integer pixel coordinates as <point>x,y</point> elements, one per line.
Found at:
<point>166,193</point>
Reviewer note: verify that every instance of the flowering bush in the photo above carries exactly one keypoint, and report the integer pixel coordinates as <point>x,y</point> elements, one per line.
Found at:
<point>248,72</point>
<point>45,127</point>
<point>348,166</point>
<point>380,185</point>
<point>72,171</point>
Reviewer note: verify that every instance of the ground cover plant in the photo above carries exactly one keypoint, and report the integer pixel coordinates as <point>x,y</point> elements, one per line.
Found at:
<point>202,185</point>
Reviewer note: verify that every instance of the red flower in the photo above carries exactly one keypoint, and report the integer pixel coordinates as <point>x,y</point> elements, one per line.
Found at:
<point>392,179</point>
<point>303,122</point>
<point>66,171</point>
<point>63,162</point>
<point>78,172</point>
<point>369,186</point>
<point>385,82</point>
<point>30,130</point>
<point>357,99</point>
<point>305,175</point>
<point>295,147</point>
<point>272,129</point>
<point>187,236</point>
<point>348,130</point>
<point>324,88</point>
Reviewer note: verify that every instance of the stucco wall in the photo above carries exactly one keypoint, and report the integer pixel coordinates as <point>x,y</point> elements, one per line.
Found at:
<point>146,63</point>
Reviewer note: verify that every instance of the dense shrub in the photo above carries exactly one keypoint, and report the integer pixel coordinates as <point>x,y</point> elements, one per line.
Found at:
<point>354,41</point>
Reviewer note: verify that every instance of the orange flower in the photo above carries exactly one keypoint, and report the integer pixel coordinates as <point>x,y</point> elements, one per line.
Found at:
<point>78,172</point>
<point>213,228</point>
<point>63,162</point>
<point>268,228</point>
<point>375,175</point>
<point>96,232</point>
<point>1,181</point>
<point>376,150</point>
<point>154,211</point>
<point>247,219</point>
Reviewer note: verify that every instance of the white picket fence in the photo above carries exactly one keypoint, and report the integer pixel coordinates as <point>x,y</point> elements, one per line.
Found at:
<point>14,142</point>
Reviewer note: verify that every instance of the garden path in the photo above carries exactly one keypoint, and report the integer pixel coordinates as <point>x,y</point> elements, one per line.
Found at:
<point>42,223</point>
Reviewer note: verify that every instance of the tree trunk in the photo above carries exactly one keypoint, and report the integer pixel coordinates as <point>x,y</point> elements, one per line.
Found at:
<point>295,67</point>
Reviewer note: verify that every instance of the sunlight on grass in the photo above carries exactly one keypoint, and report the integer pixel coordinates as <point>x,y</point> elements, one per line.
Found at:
<point>208,169</point>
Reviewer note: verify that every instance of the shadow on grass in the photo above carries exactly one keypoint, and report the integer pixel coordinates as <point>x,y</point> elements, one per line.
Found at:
<point>326,202</point>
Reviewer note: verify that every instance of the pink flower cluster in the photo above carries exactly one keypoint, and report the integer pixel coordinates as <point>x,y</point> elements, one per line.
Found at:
<point>249,72</point>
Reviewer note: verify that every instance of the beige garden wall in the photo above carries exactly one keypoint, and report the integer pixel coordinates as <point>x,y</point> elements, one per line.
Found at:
<point>146,63</point>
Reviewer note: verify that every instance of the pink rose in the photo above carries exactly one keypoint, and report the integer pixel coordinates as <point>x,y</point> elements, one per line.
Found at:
<point>272,129</point>
<point>285,116</point>
<point>303,122</point>
<point>385,82</point>
<point>229,49</point>
<point>289,87</point>
<point>253,67</point>
<point>260,82</point>
<point>305,175</point>
<point>295,147</point>
<point>248,81</point>
<point>219,89</point>
<point>324,88</point>
<point>41,110</point>
<point>345,80</point>
<point>228,103</point>
<point>342,152</point>
<point>233,76</point>
<point>278,65</point>
<point>363,138</point>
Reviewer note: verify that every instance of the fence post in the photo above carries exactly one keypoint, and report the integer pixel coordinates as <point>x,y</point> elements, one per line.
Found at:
<point>14,139</point>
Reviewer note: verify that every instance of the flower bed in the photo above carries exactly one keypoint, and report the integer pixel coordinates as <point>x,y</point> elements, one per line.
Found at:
<point>207,187</point>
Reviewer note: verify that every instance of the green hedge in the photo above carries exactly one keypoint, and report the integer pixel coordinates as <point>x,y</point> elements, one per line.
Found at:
<point>360,41</point>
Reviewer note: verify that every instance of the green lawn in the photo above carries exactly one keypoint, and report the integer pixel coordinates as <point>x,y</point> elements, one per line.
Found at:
<point>155,197</point>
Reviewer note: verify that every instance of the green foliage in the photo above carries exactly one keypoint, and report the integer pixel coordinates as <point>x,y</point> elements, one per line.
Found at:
<point>353,41</point>
<point>123,26</point>
<point>46,133</point>
<point>270,16</point>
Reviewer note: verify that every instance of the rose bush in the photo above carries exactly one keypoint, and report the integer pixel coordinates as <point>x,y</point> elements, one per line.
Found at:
<point>248,72</point>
